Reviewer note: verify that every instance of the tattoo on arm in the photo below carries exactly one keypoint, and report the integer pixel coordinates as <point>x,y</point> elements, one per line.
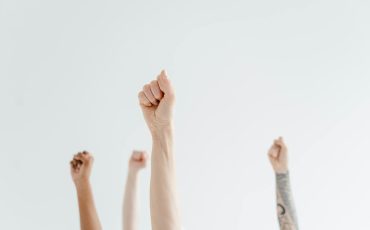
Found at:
<point>285,204</point>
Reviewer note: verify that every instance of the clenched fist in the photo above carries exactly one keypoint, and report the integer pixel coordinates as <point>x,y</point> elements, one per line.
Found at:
<point>81,166</point>
<point>156,100</point>
<point>138,160</point>
<point>278,155</point>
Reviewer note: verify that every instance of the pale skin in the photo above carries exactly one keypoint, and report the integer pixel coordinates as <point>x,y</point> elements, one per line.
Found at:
<point>157,100</point>
<point>81,166</point>
<point>278,155</point>
<point>137,162</point>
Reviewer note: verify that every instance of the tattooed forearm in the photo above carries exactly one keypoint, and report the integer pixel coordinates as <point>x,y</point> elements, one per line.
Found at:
<point>285,205</point>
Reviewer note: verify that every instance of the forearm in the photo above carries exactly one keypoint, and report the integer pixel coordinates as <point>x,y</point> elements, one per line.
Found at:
<point>163,197</point>
<point>130,202</point>
<point>89,219</point>
<point>285,204</point>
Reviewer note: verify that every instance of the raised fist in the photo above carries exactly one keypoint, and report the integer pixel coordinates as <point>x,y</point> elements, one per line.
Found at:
<point>81,166</point>
<point>156,100</point>
<point>138,160</point>
<point>278,155</point>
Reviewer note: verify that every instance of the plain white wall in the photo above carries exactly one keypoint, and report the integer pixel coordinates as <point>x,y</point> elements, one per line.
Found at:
<point>245,72</point>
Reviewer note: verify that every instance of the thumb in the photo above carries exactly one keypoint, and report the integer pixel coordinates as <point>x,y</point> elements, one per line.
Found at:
<point>165,84</point>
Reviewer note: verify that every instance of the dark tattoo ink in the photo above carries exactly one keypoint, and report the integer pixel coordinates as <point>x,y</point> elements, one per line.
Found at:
<point>282,212</point>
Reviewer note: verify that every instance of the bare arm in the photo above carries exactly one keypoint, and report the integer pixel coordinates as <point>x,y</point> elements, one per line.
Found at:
<point>89,219</point>
<point>130,200</point>
<point>81,168</point>
<point>286,212</point>
<point>163,200</point>
<point>156,100</point>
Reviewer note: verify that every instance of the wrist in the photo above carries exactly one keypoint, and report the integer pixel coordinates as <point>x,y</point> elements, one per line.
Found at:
<point>281,169</point>
<point>282,173</point>
<point>159,131</point>
<point>81,184</point>
<point>133,172</point>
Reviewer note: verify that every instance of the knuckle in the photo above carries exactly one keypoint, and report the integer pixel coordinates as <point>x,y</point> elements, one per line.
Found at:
<point>153,83</point>
<point>140,94</point>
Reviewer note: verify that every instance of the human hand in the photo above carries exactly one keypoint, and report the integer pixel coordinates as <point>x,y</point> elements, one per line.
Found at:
<point>81,166</point>
<point>138,160</point>
<point>278,155</point>
<point>156,100</point>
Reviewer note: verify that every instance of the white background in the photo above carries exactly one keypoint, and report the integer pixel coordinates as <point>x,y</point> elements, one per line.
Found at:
<point>245,72</point>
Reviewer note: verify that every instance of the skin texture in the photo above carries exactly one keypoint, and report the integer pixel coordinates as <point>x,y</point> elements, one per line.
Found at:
<point>157,100</point>
<point>81,166</point>
<point>137,162</point>
<point>278,155</point>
